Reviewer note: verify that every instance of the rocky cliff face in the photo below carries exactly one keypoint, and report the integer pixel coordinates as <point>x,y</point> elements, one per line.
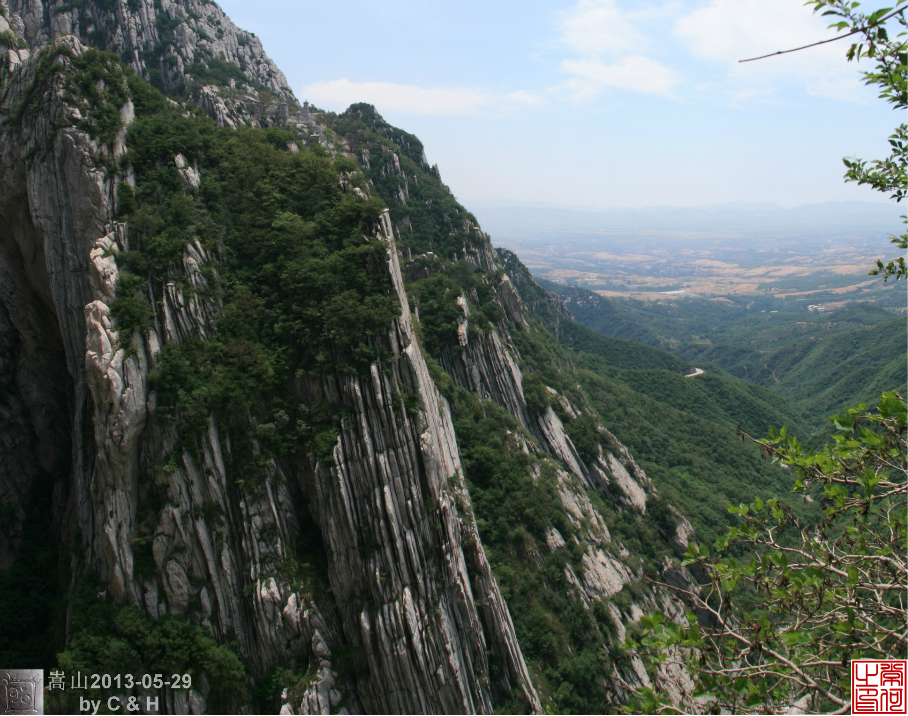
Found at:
<point>409,583</point>
<point>497,346</point>
<point>429,628</point>
<point>163,522</point>
<point>163,41</point>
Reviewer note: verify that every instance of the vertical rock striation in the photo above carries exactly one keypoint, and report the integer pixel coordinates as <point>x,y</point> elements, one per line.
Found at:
<point>405,584</point>
<point>408,586</point>
<point>409,582</point>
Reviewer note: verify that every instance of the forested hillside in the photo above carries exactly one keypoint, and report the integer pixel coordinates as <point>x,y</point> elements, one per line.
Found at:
<point>818,362</point>
<point>681,427</point>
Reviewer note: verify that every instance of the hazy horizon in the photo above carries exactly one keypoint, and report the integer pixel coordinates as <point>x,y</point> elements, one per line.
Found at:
<point>863,223</point>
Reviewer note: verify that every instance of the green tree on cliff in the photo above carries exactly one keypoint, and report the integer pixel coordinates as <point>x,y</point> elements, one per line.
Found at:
<point>890,75</point>
<point>827,591</point>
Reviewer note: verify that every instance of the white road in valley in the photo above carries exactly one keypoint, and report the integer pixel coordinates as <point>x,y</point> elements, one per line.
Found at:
<point>697,371</point>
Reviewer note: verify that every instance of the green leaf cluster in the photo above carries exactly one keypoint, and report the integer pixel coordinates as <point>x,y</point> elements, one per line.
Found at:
<point>890,75</point>
<point>8,39</point>
<point>830,589</point>
<point>111,639</point>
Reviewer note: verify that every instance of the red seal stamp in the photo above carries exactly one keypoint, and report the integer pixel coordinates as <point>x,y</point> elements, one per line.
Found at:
<point>879,687</point>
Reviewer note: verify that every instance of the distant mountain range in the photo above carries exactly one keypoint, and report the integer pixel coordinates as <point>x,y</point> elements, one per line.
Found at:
<point>504,221</point>
<point>817,362</point>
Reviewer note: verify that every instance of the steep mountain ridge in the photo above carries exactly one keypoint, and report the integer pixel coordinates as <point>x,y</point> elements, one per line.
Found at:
<point>329,436</point>
<point>206,541</point>
<point>173,45</point>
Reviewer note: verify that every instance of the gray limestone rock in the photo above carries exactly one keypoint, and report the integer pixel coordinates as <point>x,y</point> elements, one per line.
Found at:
<point>189,176</point>
<point>511,300</point>
<point>214,105</point>
<point>602,574</point>
<point>390,487</point>
<point>553,539</point>
<point>411,588</point>
<point>132,30</point>
<point>429,644</point>
<point>176,587</point>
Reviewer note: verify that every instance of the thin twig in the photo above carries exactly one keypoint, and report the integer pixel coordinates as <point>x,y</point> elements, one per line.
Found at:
<point>823,42</point>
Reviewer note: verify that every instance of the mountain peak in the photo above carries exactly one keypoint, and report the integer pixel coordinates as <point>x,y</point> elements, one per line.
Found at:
<point>179,46</point>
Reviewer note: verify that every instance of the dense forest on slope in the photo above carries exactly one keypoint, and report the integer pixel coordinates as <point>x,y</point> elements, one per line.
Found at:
<point>256,269</point>
<point>295,281</point>
<point>818,362</point>
<point>682,428</point>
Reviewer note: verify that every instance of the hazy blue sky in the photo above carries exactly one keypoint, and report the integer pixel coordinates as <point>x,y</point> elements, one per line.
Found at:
<point>605,103</point>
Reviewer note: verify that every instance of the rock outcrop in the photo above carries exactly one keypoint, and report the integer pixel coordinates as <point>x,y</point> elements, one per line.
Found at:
<point>55,203</point>
<point>408,586</point>
<point>34,404</point>
<point>160,39</point>
<point>409,583</point>
<point>215,107</point>
<point>387,509</point>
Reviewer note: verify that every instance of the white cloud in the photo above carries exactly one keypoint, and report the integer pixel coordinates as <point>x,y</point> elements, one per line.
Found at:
<point>726,31</point>
<point>731,30</point>
<point>632,72</point>
<point>597,29</point>
<point>414,100</point>
<point>596,26</point>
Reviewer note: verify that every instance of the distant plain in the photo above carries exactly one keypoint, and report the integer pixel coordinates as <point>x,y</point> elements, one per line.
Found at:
<point>785,259</point>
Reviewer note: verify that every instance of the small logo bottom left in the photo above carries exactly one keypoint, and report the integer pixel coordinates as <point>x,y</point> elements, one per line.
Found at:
<point>21,691</point>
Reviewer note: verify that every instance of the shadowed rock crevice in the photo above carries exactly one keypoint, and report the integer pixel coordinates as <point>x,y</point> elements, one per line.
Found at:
<point>36,453</point>
<point>36,389</point>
